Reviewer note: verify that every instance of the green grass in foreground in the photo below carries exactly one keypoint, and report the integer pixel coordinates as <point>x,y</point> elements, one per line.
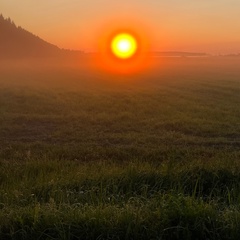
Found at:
<point>71,200</point>
<point>154,160</point>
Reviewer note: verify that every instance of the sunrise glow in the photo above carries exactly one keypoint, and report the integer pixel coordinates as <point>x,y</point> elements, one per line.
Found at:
<point>124,46</point>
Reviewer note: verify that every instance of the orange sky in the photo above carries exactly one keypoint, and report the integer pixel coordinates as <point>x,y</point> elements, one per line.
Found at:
<point>187,25</point>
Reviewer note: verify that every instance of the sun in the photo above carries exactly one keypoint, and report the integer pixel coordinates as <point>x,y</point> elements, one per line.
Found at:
<point>124,46</point>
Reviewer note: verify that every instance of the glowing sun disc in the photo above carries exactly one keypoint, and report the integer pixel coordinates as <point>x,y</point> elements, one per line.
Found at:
<point>124,46</point>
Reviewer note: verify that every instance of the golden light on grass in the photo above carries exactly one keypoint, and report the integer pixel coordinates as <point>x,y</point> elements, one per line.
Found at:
<point>124,46</point>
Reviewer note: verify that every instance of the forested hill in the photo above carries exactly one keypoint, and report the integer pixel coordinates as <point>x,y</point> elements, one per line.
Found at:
<point>16,42</point>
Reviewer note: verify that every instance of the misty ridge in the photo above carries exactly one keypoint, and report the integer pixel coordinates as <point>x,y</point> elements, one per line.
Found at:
<point>22,50</point>
<point>18,43</point>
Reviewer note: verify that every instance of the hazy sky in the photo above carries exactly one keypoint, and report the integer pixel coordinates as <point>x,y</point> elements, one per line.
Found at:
<point>187,25</point>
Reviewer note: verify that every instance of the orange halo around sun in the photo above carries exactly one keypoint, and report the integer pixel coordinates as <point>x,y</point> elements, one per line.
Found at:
<point>124,49</point>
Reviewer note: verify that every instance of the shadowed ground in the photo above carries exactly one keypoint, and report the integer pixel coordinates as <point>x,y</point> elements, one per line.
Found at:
<point>90,155</point>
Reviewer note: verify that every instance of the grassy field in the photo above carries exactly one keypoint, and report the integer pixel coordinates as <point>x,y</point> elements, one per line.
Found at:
<point>90,155</point>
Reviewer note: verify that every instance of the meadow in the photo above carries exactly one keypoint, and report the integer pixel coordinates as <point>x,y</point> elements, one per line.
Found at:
<point>86,154</point>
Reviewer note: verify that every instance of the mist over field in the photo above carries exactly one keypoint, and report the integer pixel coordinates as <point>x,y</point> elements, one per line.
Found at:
<point>88,154</point>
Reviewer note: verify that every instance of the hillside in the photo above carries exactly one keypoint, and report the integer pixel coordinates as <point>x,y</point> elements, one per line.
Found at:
<point>179,54</point>
<point>16,42</point>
